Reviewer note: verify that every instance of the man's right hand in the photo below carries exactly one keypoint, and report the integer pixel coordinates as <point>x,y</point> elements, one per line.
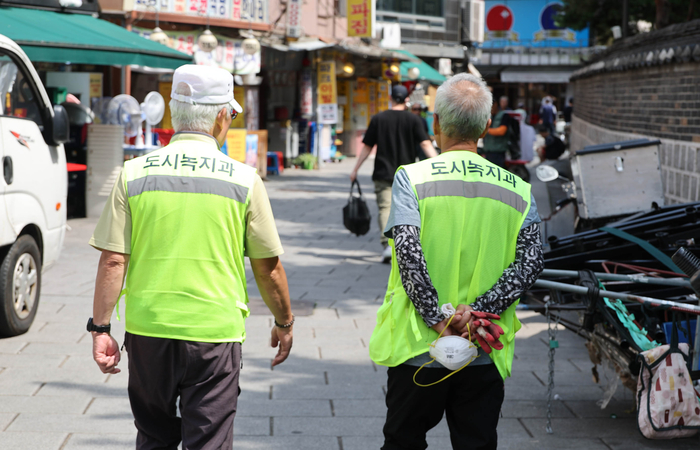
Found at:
<point>282,337</point>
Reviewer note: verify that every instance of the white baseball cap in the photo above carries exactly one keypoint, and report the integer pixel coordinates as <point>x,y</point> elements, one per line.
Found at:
<point>208,86</point>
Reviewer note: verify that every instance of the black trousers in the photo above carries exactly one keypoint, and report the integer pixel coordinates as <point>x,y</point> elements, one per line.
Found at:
<point>204,375</point>
<point>471,398</point>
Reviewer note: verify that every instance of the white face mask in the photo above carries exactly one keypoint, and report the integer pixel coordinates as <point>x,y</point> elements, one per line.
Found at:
<point>453,352</point>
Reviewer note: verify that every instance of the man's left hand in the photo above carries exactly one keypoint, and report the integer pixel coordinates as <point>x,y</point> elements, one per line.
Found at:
<point>105,352</point>
<point>284,338</point>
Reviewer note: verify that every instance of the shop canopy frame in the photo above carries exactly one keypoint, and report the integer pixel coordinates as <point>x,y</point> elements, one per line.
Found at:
<point>427,73</point>
<point>55,37</point>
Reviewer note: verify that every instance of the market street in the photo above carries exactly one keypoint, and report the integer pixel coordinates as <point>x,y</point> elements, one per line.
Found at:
<point>328,395</point>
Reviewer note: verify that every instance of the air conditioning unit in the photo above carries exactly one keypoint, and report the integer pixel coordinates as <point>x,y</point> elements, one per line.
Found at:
<point>473,21</point>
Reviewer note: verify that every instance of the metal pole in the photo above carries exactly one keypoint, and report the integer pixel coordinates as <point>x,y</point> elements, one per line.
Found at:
<point>679,282</point>
<point>625,17</point>
<point>617,295</point>
<point>696,349</point>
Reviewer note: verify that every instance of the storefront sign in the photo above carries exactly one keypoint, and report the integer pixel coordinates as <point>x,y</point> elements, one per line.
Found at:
<point>220,9</point>
<point>228,55</point>
<point>529,22</point>
<point>247,10</point>
<point>95,85</point>
<point>383,95</point>
<point>372,98</point>
<point>294,18</point>
<point>307,94</point>
<point>343,104</point>
<point>359,18</point>
<point>327,93</point>
<point>179,6</point>
<point>236,144</point>
<point>251,150</point>
<point>361,94</point>
<point>236,9</point>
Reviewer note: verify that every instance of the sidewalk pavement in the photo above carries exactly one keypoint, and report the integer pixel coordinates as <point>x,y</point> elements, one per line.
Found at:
<point>328,395</point>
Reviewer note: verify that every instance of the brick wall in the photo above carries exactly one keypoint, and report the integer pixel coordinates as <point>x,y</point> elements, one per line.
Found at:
<point>661,101</point>
<point>680,159</point>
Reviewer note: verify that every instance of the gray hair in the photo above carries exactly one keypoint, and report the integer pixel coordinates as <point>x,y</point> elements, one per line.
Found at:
<point>463,105</point>
<point>189,117</point>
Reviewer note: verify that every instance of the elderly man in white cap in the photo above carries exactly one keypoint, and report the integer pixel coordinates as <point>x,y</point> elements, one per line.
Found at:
<point>177,225</point>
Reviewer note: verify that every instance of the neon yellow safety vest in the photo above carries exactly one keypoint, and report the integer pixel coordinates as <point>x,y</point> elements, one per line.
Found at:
<point>471,213</point>
<point>186,277</point>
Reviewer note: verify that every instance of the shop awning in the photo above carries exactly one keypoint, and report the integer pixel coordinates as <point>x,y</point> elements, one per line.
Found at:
<point>48,36</point>
<point>427,73</point>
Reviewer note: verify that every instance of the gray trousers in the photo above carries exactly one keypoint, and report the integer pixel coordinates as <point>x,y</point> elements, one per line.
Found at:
<point>383,190</point>
<point>203,375</point>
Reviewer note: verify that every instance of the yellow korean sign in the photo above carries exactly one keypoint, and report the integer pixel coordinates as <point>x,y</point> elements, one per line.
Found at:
<point>359,18</point>
<point>361,94</point>
<point>372,97</point>
<point>383,88</point>
<point>327,93</point>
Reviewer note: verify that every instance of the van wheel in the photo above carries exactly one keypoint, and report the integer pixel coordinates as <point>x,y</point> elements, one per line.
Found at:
<point>20,284</point>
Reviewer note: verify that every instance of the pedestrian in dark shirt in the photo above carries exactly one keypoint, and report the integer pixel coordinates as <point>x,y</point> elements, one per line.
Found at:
<point>548,114</point>
<point>417,110</point>
<point>397,134</point>
<point>553,147</point>
<point>568,110</point>
<point>498,134</point>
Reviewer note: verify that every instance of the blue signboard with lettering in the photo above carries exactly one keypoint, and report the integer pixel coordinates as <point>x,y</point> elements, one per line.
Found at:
<point>530,23</point>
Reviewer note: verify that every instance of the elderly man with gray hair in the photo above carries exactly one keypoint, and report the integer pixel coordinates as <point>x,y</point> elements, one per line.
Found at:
<point>177,225</point>
<point>467,244</point>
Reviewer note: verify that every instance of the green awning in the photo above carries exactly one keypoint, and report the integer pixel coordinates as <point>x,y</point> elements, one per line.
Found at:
<point>82,39</point>
<point>427,73</point>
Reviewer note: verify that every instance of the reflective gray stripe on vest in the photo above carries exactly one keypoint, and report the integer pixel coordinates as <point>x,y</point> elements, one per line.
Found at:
<point>473,189</point>
<point>189,185</point>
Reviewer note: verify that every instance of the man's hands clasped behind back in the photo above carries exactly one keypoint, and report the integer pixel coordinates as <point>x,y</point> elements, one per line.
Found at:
<point>475,325</point>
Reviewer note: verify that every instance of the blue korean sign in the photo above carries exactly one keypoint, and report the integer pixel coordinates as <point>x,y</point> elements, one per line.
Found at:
<point>530,23</point>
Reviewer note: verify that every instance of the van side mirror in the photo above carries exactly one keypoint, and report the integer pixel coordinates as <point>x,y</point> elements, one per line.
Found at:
<point>60,127</point>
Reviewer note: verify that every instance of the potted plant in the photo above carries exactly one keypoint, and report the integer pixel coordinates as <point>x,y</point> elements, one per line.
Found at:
<point>305,160</point>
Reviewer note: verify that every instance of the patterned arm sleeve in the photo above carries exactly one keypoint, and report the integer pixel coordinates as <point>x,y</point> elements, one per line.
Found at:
<point>518,277</point>
<point>414,273</point>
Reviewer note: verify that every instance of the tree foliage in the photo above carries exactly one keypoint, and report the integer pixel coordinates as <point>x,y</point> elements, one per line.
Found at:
<point>602,15</point>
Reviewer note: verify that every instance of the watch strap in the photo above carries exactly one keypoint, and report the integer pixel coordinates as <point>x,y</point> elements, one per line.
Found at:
<point>98,328</point>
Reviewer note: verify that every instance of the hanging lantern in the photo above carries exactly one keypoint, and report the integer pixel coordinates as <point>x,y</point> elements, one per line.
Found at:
<point>413,73</point>
<point>207,41</point>
<point>157,35</point>
<point>348,69</point>
<point>394,68</point>
<point>250,46</point>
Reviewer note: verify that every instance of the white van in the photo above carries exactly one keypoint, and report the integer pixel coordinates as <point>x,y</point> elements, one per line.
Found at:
<point>33,189</point>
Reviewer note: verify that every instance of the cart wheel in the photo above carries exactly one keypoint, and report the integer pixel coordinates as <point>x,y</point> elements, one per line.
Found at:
<point>20,285</point>
<point>520,171</point>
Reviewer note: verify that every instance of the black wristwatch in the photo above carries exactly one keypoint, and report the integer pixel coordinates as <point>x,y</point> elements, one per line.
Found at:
<point>98,328</point>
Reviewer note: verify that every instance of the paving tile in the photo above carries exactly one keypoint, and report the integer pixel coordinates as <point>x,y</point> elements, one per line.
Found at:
<point>101,441</point>
<point>360,408</point>
<point>248,407</point>
<point>44,405</point>
<point>252,426</point>
<point>332,426</point>
<point>72,423</point>
<point>584,428</point>
<point>32,440</point>
<point>286,442</point>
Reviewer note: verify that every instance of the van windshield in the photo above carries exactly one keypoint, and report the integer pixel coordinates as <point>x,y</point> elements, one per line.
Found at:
<point>17,97</point>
